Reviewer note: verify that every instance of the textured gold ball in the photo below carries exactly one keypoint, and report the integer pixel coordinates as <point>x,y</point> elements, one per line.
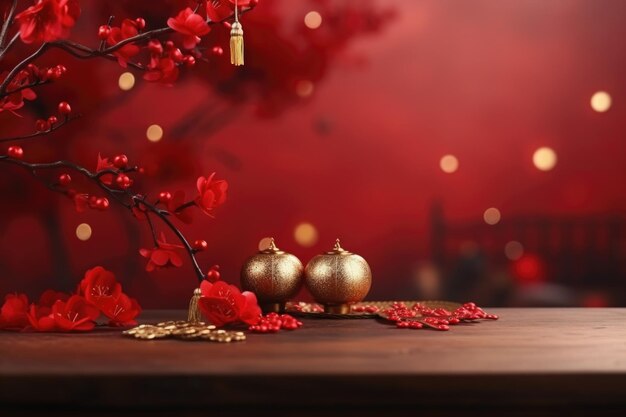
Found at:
<point>273,275</point>
<point>338,278</point>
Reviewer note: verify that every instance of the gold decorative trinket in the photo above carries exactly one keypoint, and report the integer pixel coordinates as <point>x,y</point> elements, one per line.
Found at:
<point>184,330</point>
<point>337,279</point>
<point>275,276</point>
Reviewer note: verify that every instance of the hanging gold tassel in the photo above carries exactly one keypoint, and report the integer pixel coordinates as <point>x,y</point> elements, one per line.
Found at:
<point>236,44</point>
<point>194,315</point>
<point>236,40</point>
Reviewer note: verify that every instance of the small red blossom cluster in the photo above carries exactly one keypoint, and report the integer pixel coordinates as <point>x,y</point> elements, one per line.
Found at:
<point>19,89</point>
<point>274,322</point>
<point>223,304</point>
<point>191,25</point>
<point>98,293</point>
<point>418,316</point>
<point>163,255</point>
<point>218,10</point>
<point>48,20</point>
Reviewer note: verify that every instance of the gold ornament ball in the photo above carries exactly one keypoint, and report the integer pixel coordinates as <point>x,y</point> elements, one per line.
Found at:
<point>337,279</point>
<point>274,276</point>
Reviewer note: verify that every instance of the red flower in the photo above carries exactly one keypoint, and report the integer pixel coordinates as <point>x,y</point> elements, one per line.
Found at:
<point>101,289</point>
<point>13,315</point>
<point>41,319</point>
<point>222,304</point>
<point>174,206</point>
<point>162,69</point>
<point>75,314</point>
<point>105,163</point>
<point>126,52</point>
<point>212,193</point>
<point>164,255</point>
<point>120,310</point>
<point>40,315</point>
<point>48,20</point>
<point>218,10</point>
<point>189,24</point>
<point>15,101</point>
<point>99,284</point>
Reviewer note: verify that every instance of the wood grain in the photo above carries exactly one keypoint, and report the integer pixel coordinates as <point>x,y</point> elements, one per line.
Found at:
<point>530,359</point>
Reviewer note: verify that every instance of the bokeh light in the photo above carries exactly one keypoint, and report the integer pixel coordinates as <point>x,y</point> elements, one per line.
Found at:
<point>601,101</point>
<point>513,250</point>
<point>492,216</point>
<point>154,133</point>
<point>305,234</point>
<point>126,81</point>
<point>265,243</point>
<point>529,269</point>
<point>83,232</point>
<point>313,20</point>
<point>544,158</point>
<point>449,164</point>
<point>304,88</point>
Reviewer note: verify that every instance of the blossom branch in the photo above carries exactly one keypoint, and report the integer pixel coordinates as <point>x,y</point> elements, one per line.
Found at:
<point>163,216</point>
<point>42,132</point>
<point>136,200</point>
<point>74,49</point>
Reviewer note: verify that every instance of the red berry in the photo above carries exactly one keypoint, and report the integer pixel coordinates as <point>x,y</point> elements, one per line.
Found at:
<point>123,181</point>
<point>200,245</point>
<point>189,61</point>
<point>214,274</point>
<point>64,108</point>
<point>15,152</point>
<point>120,161</point>
<point>165,197</point>
<point>104,31</point>
<point>140,23</point>
<point>65,179</point>
<point>52,120</point>
<point>169,45</point>
<point>42,125</point>
<point>155,47</point>
<point>102,203</point>
<point>217,50</point>
<point>51,74</point>
<point>177,55</point>
<point>61,69</point>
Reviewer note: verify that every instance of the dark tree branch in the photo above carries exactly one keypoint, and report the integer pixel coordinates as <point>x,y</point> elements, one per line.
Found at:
<point>132,200</point>
<point>4,50</point>
<point>7,24</point>
<point>41,133</point>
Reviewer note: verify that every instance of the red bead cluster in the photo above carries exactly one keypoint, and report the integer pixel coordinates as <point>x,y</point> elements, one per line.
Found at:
<point>418,316</point>
<point>274,322</point>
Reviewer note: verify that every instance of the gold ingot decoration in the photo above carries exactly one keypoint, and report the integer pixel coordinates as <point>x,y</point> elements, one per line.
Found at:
<point>275,276</point>
<point>337,279</point>
<point>184,330</point>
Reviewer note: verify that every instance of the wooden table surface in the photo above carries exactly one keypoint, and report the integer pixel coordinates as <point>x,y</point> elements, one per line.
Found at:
<point>531,360</point>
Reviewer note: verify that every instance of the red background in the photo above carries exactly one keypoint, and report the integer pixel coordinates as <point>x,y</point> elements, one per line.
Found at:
<point>487,81</point>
